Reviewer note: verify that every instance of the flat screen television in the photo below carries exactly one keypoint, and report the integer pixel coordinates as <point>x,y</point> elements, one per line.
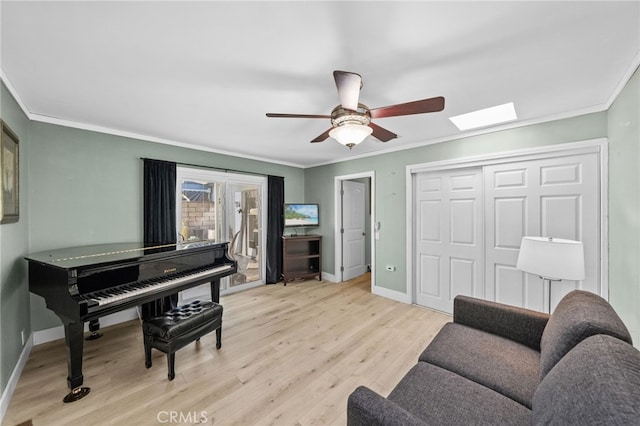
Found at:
<point>301,214</point>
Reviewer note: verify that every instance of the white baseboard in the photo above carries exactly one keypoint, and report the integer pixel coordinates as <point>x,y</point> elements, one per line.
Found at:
<point>15,376</point>
<point>55,333</point>
<point>328,277</point>
<point>391,294</point>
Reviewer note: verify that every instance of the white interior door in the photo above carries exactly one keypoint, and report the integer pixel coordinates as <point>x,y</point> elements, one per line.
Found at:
<point>555,197</point>
<point>353,225</point>
<point>469,224</point>
<point>449,241</point>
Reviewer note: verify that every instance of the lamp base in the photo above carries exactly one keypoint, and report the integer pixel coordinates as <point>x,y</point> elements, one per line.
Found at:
<point>548,281</point>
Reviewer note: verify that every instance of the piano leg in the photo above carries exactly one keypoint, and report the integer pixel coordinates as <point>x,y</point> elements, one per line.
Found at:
<point>215,297</point>
<point>94,326</point>
<point>74,340</point>
<point>215,290</point>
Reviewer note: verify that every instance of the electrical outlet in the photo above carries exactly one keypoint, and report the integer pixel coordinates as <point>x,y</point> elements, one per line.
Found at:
<point>391,268</point>
<point>22,336</point>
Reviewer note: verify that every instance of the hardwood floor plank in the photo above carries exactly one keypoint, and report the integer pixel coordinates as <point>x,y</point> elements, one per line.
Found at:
<point>290,356</point>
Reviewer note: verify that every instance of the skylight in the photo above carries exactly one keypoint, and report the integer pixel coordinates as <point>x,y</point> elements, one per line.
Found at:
<point>485,117</point>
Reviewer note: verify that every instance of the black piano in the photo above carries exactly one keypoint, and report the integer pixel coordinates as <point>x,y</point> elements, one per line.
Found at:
<point>81,284</point>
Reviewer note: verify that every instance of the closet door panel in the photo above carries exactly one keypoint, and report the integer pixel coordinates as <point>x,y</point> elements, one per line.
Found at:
<point>555,197</point>
<point>449,244</point>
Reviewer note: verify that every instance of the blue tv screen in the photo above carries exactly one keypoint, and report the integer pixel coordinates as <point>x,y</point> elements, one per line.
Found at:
<point>301,214</point>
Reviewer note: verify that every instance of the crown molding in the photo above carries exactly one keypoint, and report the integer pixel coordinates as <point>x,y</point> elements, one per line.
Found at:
<point>553,117</point>
<point>116,132</point>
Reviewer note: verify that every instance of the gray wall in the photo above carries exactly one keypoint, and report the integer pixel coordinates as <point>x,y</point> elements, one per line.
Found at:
<point>14,240</point>
<point>86,188</point>
<point>624,205</point>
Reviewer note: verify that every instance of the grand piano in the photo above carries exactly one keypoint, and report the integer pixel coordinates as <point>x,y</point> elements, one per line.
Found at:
<point>82,284</point>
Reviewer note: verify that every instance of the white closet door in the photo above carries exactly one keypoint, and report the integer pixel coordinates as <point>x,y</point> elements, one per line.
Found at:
<point>449,245</point>
<point>556,197</point>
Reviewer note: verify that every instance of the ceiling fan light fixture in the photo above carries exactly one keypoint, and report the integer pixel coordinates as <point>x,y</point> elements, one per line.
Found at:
<point>350,134</point>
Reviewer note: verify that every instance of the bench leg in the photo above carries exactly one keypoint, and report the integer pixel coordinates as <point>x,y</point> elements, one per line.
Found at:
<point>218,337</point>
<point>171,364</point>
<point>147,356</point>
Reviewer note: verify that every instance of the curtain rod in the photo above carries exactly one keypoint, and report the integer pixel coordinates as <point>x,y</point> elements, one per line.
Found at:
<point>211,167</point>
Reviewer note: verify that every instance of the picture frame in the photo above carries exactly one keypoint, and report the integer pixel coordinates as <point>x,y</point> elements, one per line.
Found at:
<point>9,176</point>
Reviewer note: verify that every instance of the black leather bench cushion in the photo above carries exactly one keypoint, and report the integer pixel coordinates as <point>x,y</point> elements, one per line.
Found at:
<point>183,319</point>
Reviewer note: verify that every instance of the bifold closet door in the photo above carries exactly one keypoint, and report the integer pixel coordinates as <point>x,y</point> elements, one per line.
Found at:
<point>555,197</point>
<point>448,239</point>
<point>468,224</point>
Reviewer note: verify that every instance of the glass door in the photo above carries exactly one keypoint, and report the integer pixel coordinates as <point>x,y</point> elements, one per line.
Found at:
<point>244,228</point>
<point>224,207</point>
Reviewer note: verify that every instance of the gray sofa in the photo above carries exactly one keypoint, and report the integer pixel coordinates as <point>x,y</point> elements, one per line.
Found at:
<point>499,364</point>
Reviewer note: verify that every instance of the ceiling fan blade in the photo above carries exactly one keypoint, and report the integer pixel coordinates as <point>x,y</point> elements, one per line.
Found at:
<point>348,84</point>
<point>382,134</point>
<point>323,136</point>
<point>278,115</point>
<point>408,108</point>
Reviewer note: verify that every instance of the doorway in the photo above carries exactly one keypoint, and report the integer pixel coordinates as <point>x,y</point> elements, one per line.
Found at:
<point>354,236</point>
<point>224,207</point>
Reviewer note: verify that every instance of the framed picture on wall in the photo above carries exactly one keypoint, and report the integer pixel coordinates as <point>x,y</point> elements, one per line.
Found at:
<point>9,175</point>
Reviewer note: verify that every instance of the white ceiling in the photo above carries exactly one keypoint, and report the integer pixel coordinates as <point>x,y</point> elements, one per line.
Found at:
<point>204,74</point>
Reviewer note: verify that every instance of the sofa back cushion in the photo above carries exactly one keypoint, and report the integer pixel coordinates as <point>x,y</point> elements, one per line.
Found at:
<point>579,314</point>
<point>597,382</point>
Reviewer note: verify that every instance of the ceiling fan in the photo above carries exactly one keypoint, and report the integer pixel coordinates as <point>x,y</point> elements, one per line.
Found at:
<point>351,120</point>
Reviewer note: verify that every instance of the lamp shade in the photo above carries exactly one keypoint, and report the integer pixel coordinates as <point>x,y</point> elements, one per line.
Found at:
<point>552,258</point>
<point>350,134</point>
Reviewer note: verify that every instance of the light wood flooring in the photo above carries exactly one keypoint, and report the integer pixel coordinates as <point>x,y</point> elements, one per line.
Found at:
<point>290,356</point>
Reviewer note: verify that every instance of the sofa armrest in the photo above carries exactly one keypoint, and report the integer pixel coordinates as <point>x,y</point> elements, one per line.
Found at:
<point>518,324</point>
<point>367,408</point>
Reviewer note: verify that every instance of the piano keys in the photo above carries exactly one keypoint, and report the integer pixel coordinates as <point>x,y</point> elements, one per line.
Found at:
<point>81,284</point>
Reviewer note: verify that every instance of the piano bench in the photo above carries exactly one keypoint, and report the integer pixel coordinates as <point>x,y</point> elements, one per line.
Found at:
<point>180,326</point>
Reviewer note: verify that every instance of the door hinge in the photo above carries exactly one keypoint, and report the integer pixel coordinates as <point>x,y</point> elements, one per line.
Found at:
<point>342,269</point>
<point>342,230</point>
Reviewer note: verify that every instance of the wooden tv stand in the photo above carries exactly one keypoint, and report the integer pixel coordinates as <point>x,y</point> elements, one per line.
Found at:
<point>301,257</point>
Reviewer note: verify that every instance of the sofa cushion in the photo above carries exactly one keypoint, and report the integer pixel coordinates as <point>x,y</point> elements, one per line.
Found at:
<point>519,324</point>
<point>441,397</point>
<point>368,408</point>
<point>597,382</point>
<point>579,314</point>
<point>496,362</point>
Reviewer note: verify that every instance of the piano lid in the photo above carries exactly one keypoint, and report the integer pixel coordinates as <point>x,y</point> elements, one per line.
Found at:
<point>78,257</point>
